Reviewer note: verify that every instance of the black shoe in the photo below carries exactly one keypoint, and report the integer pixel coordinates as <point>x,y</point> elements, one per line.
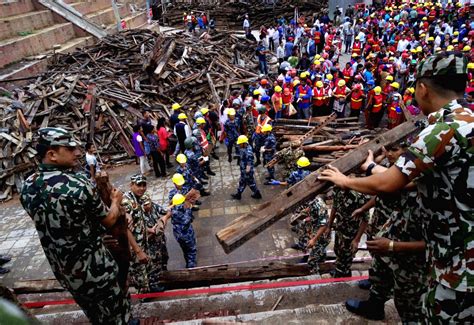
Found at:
<point>204,193</point>
<point>256,195</point>
<point>364,284</point>
<point>4,259</point>
<point>204,176</point>
<point>370,309</point>
<point>195,209</point>
<point>229,159</point>
<point>236,196</point>
<point>216,157</point>
<point>198,202</point>
<point>304,259</point>
<point>238,161</point>
<point>210,172</point>
<point>337,274</point>
<point>203,182</point>
<point>297,247</point>
<point>4,270</point>
<point>269,178</point>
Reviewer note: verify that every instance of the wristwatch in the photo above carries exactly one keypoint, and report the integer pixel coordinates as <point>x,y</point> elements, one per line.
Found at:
<point>368,172</point>
<point>390,246</point>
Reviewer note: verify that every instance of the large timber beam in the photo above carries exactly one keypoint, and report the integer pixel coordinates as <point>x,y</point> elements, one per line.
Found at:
<point>261,217</point>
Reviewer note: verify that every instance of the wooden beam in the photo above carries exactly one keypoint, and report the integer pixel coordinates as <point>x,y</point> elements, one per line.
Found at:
<point>247,226</point>
<point>164,60</point>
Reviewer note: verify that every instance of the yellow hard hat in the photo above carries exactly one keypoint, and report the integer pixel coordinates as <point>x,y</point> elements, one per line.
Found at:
<point>456,33</point>
<point>231,112</point>
<point>357,38</point>
<point>450,48</point>
<point>422,35</point>
<point>175,106</point>
<point>455,40</point>
<point>470,65</point>
<point>256,92</point>
<point>389,78</point>
<point>466,48</point>
<point>329,76</point>
<point>377,90</point>
<point>178,179</point>
<point>419,49</point>
<point>424,18</point>
<point>411,89</point>
<point>341,83</point>
<point>430,39</point>
<point>303,162</point>
<point>200,120</point>
<point>317,62</point>
<point>354,55</point>
<point>278,89</point>
<point>182,116</point>
<point>296,82</point>
<point>204,110</point>
<point>395,85</point>
<point>178,199</point>
<point>319,84</point>
<point>242,139</point>
<point>267,128</point>
<point>181,158</point>
<point>317,57</point>
<point>303,74</point>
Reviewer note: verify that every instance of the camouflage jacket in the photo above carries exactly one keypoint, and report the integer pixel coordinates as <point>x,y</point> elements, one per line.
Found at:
<point>344,203</point>
<point>318,213</point>
<point>270,144</point>
<point>403,218</point>
<point>297,176</point>
<point>133,206</point>
<point>67,212</point>
<point>441,160</point>
<point>246,159</point>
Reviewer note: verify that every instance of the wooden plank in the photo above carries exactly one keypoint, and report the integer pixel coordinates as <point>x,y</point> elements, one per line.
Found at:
<point>164,60</point>
<point>247,226</point>
<point>215,96</point>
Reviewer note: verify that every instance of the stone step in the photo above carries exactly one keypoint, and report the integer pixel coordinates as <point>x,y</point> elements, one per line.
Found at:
<point>32,67</point>
<point>15,7</point>
<point>135,20</point>
<point>89,7</point>
<point>106,16</point>
<point>16,48</point>
<point>23,23</point>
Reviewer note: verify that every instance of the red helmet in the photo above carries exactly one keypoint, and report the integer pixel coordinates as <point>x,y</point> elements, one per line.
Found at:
<point>327,48</point>
<point>357,86</point>
<point>263,82</point>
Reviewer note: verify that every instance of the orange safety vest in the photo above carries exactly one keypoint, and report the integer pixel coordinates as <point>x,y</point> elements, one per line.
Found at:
<point>317,37</point>
<point>318,96</point>
<point>330,39</point>
<point>377,103</point>
<point>204,142</point>
<point>261,122</point>
<point>347,74</point>
<point>356,100</point>
<point>356,47</point>
<point>340,92</point>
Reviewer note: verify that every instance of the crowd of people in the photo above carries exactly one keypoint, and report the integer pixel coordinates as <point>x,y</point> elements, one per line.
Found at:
<point>405,59</point>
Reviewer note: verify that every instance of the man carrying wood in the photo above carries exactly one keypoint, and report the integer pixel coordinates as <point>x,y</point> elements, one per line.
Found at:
<point>70,219</point>
<point>441,162</point>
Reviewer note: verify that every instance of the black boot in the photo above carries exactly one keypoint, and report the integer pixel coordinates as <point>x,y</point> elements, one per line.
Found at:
<point>210,172</point>
<point>236,196</point>
<point>257,195</point>
<point>229,159</point>
<point>213,155</point>
<point>195,208</point>
<point>203,176</point>
<point>204,193</point>
<point>370,309</point>
<point>198,202</point>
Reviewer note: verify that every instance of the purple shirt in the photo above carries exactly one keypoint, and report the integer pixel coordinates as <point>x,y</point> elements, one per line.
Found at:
<point>136,139</point>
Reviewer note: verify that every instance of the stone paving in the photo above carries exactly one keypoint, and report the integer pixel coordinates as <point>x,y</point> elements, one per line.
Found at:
<point>18,236</point>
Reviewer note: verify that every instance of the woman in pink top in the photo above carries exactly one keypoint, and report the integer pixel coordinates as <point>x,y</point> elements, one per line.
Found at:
<point>163,135</point>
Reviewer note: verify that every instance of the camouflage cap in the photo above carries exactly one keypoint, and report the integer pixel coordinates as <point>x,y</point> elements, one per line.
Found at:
<point>56,137</point>
<point>442,64</point>
<point>138,178</point>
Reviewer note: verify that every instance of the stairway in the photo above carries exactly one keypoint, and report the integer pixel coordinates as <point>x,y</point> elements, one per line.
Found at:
<point>30,33</point>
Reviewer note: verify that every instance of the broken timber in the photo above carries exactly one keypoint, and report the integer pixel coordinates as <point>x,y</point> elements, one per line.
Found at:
<point>247,226</point>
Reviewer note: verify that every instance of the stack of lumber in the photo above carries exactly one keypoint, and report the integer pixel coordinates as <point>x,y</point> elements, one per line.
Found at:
<point>99,92</point>
<point>230,14</point>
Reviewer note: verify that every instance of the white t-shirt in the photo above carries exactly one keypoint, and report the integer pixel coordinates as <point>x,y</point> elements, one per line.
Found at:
<point>92,161</point>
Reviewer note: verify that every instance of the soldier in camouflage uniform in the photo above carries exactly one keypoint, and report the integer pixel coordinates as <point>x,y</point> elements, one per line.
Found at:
<point>183,231</point>
<point>299,174</point>
<point>156,218</point>
<point>247,177</point>
<point>70,219</point>
<point>248,124</point>
<point>269,148</point>
<point>346,227</point>
<point>313,233</point>
<point>132,202</point>
<point>401,273</point>
<point>440,160</point>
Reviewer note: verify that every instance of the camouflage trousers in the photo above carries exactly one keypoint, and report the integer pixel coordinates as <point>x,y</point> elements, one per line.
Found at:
<point>302,228</point>
<point>317,254</point>
<point>139,274</point>
<point>105,304</point>
<point>158,254</point>
<point>442,305</point>
<point>343,251</point>
<point>404,277</point>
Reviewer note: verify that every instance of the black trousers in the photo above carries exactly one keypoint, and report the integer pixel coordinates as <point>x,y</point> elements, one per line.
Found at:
<point>157,159</point>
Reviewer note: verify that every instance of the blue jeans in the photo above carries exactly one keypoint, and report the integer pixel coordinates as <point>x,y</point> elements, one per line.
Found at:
<point>263,67</point>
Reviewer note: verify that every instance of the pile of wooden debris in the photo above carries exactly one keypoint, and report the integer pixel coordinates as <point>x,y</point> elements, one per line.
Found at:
<point>99,92</point>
